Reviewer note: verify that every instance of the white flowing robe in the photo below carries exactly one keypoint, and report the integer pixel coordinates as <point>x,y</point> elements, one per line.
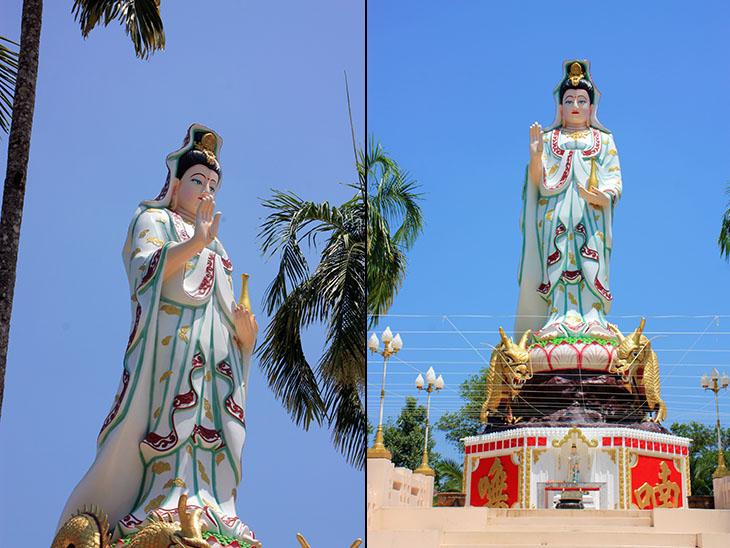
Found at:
<point>564,271</point>
<point>177,423</point>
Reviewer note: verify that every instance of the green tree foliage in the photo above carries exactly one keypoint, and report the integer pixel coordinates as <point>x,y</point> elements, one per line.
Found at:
<point>393,201</point>
<point>466,422</point>
<point>702,452</point>
<point>452,476</point>
<point>404,437</point>
<point>140,18</point>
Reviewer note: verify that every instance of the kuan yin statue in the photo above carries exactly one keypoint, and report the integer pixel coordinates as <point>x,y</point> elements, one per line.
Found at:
<point>168,461</point>
<point>573,185</point>
<point>575,362</point>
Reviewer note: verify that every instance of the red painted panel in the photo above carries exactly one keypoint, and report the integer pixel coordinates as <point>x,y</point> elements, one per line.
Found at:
<point>642,444</point>
<point>500,479</point>
<point>541,442</point>
<point>531,442</point>
<point>664,447</point>
<point>499,444</point>
<point>520,442</point>
<point>655,482</point>
<point>634,442</point>
<point>606,441</point>
<point>618,441</point>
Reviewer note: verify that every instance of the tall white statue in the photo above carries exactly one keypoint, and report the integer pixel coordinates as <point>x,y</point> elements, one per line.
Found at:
<point>177,425</point>
<point>572,185</point>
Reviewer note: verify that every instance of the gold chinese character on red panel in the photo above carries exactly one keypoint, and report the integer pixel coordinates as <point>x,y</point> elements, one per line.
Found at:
<point>655,483</point>
<point>495,482</point>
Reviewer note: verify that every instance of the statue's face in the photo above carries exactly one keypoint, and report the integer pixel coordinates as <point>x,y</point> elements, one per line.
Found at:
<point>576,108</point>
<point>196,182</point>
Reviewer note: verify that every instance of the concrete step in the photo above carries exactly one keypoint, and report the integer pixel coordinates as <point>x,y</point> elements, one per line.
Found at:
<point>598,538</point>
<point>575,519</point>
<point>586,544</point>
<point>563,527</point>
<point>576,523</point>
<point>551,513</point>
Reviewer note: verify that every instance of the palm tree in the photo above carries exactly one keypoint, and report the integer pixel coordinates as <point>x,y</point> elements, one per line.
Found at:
<point>141,19</point>
<point>143,24</point>
<point>21,126</point>
<point>724,240</point>
<point>452,475</point>
<point>333,294</point>
<point>392,200</point>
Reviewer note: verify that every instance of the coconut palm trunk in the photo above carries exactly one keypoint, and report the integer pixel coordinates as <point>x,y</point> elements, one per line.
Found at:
<point>16,173</point>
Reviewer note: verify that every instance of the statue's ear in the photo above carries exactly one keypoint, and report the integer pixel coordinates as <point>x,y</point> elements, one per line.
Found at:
<point>173,192</point>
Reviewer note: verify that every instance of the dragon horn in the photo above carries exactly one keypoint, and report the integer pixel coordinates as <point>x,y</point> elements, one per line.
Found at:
<point>504,336</point>
<point>637,334</point>
<point>523,340</point>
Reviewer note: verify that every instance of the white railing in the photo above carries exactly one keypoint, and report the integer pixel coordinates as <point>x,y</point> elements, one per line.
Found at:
<point>389,486</point>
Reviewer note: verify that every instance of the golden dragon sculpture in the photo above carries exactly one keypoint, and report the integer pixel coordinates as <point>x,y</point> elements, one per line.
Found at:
<point>509,368</point>
<point>638,367</point>
<point>89,529</point>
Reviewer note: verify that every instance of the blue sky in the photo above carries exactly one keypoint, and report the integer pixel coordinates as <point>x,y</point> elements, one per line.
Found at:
<point>268,76</point>
<point>452,89</point>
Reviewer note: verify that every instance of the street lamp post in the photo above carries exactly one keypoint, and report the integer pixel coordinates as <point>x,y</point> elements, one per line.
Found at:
<point>392,346</point>
<point>721,470</point>
<point>433,384</point>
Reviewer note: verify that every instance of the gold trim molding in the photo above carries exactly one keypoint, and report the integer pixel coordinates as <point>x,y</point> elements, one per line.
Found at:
<point>575,432</point>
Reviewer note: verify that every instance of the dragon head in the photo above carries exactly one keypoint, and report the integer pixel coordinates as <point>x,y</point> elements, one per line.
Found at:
<point>516,358</point>
<point>629,350</point>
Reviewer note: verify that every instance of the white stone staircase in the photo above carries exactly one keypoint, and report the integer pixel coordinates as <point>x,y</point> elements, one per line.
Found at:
<point>568,528</point>
<point>533,528</point>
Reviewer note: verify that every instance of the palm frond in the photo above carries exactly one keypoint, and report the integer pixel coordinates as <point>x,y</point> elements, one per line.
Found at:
<point>140,18</point>
<point>348,422</point>
<point>342,287</point>
<point>8,75</point>
<point>452,475</point>
<point>392,201</point>
<point>291,221</point>
<point>283,361</point>
<point>395,198</point>
<point>724,240</point>
<point>334,294</point>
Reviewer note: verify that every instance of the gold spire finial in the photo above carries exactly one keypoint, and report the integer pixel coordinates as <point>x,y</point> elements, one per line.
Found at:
<point>576,73</point>
<point>207,146</point>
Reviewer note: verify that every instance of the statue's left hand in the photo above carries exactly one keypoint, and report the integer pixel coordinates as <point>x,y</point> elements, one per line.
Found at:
<point>246,328</point>
<point>594,196</point>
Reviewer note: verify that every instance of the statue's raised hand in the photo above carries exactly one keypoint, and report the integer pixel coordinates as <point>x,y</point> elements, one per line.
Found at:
<point>536,144</point>
<point>206,224</point>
